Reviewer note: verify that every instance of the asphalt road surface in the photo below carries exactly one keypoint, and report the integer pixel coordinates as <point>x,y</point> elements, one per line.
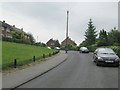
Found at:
<point>78,71</point>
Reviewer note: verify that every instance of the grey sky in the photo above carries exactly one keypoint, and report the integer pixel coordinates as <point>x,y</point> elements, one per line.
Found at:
<point>48,20</point>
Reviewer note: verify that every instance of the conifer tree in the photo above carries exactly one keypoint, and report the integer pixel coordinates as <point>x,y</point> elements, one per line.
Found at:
<point>90,34</point>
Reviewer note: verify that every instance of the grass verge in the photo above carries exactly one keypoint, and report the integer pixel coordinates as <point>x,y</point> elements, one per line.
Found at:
<point>22,53</point>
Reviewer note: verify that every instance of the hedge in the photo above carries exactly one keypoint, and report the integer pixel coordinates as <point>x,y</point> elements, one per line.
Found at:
<point>116,49</point>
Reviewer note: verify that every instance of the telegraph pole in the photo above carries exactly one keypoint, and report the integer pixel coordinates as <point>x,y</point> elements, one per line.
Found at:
<point>66,48</point>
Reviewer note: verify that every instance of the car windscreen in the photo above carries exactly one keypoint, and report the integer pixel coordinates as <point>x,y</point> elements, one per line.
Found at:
<point>106,51</point>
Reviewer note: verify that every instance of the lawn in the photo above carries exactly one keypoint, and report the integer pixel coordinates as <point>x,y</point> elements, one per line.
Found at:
<point>22,52</point>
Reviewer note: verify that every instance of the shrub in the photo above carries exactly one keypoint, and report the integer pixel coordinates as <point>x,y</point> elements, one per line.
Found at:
<point>116,49</point>
<point>92,47</point>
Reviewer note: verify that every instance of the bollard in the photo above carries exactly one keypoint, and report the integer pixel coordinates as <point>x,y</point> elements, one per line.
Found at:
<point>43,55</point>
<point>15,63</point>
<point>34,58</point>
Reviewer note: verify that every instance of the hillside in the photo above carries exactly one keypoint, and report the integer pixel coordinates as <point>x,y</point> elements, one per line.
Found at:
<point>22,52</point>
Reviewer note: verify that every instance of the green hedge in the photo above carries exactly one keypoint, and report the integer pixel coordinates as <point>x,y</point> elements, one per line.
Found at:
<point>16,40</point>
<point>116,49</point>
<point>92,48</point>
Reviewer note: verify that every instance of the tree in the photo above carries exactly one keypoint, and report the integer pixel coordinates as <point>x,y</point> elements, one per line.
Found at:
<point>16,35</point>
<point>40,44</point>
<point>103,39</point>
<point>114,37</point>
<point>90,34</point>
<point>84,43</point>
<point>31,38</point>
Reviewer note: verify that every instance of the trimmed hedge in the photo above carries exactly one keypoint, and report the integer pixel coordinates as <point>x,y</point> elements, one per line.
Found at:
<point>116,49</point>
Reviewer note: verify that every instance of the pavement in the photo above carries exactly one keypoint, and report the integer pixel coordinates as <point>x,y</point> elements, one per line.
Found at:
<point>78,71</point>
<point>20,77</point>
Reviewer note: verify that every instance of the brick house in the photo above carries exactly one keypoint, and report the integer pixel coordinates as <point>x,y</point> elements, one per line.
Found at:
<point>53,43</point>
<point>69,42</point>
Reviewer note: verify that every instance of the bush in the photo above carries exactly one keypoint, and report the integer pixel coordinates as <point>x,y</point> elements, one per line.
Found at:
<point>16,40</point>
<point>92,47</point>
<point>101,43</point>
<point>69,47</point>
<point>116,49</point>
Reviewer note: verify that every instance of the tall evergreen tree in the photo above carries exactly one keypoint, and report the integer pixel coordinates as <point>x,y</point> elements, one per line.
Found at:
<point>90,34</point>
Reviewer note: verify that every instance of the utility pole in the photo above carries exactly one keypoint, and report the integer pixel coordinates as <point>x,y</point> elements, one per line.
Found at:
<point>66,48</point>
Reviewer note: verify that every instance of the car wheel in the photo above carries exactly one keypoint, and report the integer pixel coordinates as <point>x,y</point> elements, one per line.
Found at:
<point>117,65</point>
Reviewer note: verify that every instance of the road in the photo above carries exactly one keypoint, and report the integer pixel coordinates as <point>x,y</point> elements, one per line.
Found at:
<point>78,71</point>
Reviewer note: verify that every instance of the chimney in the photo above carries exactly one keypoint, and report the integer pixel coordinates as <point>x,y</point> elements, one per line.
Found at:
<point>3,21</point>
<point>13,25</point>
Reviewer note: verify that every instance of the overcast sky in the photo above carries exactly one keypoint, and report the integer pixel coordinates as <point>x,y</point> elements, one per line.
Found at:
<point>48,19</point>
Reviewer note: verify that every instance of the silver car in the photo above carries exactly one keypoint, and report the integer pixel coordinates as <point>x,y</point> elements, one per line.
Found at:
<point>105,56</point>
<point>84,50</point>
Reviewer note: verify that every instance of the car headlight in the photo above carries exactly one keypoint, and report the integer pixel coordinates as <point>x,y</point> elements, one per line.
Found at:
<point>117,59</point>
<point>100,58</point>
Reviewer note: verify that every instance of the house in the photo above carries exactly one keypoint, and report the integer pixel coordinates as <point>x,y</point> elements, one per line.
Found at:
<point>68,41</point>
<point>7,30</point>
<point>53,43</point>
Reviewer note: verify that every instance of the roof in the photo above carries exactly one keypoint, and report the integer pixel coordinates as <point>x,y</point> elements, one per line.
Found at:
<point>4,24</point>
<point>69,39</point>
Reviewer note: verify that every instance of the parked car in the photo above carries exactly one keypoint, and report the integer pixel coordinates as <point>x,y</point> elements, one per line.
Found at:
<point>105,56</point>
<point>49,47</point>
<point>57,48</point>
<point>84,50</point>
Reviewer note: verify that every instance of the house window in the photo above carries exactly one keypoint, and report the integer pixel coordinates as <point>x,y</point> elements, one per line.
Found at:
<point>8,30</point>
<point>52,44</point>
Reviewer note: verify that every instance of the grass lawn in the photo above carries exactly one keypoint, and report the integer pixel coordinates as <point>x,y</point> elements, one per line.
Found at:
<point>22,52</point>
